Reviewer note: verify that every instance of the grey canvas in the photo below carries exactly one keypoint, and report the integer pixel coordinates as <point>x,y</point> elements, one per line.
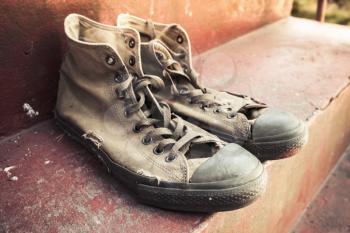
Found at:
<point>268,133</point>
<point>106,102</point>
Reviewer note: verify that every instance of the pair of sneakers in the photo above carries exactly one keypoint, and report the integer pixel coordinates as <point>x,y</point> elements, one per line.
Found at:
<point>129,94</point>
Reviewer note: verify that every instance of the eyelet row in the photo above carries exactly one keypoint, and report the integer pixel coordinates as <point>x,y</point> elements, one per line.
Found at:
<point>110,60</point>
<point>119,76</point>
<point>146,140</point>
<point>132,44</point>
<point>180,40</point>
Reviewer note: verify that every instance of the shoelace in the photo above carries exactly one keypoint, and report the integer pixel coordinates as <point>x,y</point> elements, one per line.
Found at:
<point>170,131</point>
<point>199,95</point>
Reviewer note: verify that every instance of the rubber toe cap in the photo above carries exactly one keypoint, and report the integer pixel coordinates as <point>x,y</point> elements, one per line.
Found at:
<point>276,123</point>
<point>232,162</point>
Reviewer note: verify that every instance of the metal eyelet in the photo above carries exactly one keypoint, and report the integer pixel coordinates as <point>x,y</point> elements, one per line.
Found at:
<point>204,106</point>
<point>146,140</point>
<point>179,39</point>
<point>126,114</point>
<point>110,60</point>
<point>185,68</point>
<point>120,94</point>
<point>136,128</point>
<point>170,158</point>
<point>216,110</point>
<point>132,61</point>
<point>157,151</point>
<point>132,43</point>
<point>119,77</point>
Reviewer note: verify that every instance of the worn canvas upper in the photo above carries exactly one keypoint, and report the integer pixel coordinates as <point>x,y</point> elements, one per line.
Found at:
<point>222,113</point>
<point>87,99</point>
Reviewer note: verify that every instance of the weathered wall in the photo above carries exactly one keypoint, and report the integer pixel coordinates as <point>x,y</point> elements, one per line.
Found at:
<point>32,42</point>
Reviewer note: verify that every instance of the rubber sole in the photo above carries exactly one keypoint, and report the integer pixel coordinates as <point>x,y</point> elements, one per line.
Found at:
<point>194,197</point>
<point>278,149</point>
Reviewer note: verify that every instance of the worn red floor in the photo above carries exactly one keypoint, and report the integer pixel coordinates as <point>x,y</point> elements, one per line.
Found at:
<point>60,187</point>
<point>330,211</point>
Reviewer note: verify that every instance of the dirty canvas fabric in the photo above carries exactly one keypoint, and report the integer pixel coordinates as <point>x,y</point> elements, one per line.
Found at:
<point>106,102</point>
<point>266,132</point>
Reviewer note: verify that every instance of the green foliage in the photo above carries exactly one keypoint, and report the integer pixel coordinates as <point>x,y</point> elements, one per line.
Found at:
<point>338,11</point>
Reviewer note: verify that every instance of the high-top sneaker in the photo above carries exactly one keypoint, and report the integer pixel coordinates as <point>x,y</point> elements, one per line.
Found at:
<point>268,133</point>
<point>105,102</point>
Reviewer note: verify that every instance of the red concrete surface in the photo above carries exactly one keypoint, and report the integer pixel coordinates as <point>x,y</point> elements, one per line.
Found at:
<point>62,188</point>
<point>296,64</point>
<point>32,41</point>
<point>301,66</point>
<point>330,211</point>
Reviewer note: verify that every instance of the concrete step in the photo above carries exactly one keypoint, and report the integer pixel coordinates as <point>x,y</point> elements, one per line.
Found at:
<point>298,65</point>
<point>330,210</point>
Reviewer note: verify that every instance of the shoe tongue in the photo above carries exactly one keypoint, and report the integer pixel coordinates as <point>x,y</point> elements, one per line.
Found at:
<point>161,51</point>
<point>154,57</point>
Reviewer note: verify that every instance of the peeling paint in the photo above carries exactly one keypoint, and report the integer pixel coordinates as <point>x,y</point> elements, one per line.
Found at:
<point>318,110</point>
<point>10,177</point>
<point>151,8</point>
<point>41,180</point>
<point>188,10</point>
<point>13,178</point>
<point>29,110</point>
<point>8,169</point>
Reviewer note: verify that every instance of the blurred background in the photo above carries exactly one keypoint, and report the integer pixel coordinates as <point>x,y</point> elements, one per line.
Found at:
<point>337,11</point>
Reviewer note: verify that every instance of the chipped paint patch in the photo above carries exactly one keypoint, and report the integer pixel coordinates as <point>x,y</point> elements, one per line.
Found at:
<point>151,8</point>
<point>29,110</point>
<point>8,169</point>
<point>188,10</point>
<point>47,162</point>
<point>13,178</point>
<point>10,177</point>
<point>41,180</point>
